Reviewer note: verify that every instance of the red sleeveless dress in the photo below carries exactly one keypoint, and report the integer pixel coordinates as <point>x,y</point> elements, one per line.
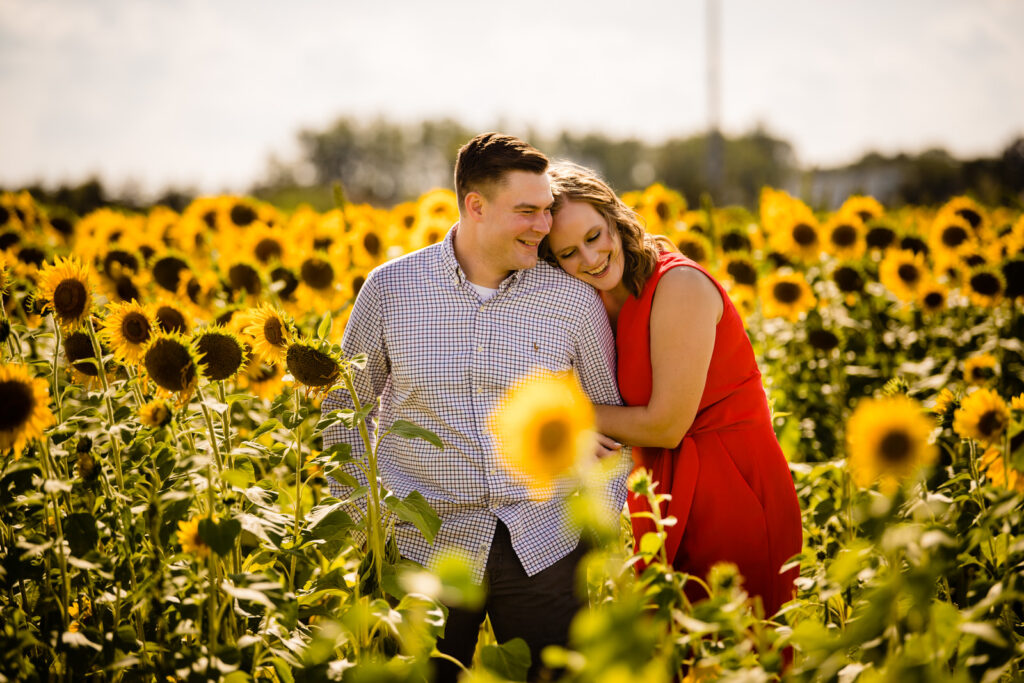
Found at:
<point>732,492</point>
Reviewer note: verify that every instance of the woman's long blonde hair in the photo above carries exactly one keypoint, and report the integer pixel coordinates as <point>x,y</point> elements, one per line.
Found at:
<point>572,182</point>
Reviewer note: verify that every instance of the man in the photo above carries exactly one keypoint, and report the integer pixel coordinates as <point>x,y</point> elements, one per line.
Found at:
<point>447,331</point>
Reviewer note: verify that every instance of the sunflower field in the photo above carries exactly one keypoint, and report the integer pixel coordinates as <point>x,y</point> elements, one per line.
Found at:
<point>164,503</point>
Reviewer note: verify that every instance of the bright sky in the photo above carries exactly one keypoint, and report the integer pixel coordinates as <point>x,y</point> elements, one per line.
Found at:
<point>198,93</point>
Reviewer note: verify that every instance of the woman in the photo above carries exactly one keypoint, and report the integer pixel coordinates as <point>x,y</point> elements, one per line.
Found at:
<point>695,412</point>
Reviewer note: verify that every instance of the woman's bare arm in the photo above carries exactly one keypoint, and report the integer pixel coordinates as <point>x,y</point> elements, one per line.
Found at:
<point>684,314</point>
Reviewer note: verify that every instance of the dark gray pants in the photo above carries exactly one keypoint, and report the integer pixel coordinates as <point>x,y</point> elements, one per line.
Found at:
<point>536,608</point>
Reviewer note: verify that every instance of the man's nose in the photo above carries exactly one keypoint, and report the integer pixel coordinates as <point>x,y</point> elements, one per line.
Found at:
<point>543,226</point>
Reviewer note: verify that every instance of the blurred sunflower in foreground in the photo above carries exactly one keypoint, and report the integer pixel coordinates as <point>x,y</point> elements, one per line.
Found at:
<point>888,441</point>
<point>544,428</point>
<point>24,408</point>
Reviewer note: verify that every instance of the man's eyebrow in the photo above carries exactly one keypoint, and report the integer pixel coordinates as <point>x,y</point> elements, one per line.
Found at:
<point>525,205</point>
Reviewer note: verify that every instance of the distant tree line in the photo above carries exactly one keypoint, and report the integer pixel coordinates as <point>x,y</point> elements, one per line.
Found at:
<point>384,162</point>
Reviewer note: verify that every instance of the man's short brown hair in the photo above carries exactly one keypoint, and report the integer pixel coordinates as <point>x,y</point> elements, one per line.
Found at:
<point>484,160</point>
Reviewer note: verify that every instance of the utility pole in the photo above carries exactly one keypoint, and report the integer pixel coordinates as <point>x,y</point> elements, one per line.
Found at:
<point>716,152</point>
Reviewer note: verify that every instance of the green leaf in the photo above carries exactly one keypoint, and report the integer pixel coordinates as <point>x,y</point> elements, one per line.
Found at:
<point>407,430</point>
<point>241,477</point>
<point>510,660</point>
<point>417,511</point>
<point>338,454</point>
<point>328,522</point>
<point>220,536</point>
<point>323,330</point>
<point>344,415</point>
<point>264,428</point>
<point>284,671</point>
<point>293,419</point>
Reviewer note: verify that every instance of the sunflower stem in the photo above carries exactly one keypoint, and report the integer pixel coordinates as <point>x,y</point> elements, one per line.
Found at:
<point>209,427</point>
<point>65,583</point>
<point>376,545</point>
<point>298,491</point>
<point>225,419</point>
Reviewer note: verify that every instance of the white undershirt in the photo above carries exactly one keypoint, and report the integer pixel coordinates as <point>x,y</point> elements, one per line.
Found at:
<point>484,292</point>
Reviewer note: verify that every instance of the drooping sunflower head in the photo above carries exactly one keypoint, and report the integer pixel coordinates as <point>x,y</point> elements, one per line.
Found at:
<point>66,287</point>
<point>156,413</point>
<point>244,277</point>
<point>171,316</point>
<point>81,357</point>
<point>127,328</point>
<point>167,271</point>
<point>544,428</point>
<point>221,353</point>
<point>311,366</point>
<point>24,408</point>
<point>171,363</point>
<point>888,441</point>
<point>269,331</point>
<point>983,416</point>
<point>980,370</point>
<point>786,295</point>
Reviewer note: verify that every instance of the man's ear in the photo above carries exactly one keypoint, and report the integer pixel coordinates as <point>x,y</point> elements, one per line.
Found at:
<point>473,204</point>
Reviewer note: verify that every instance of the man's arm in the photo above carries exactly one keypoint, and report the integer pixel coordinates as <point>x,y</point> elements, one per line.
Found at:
<point>364,333</point>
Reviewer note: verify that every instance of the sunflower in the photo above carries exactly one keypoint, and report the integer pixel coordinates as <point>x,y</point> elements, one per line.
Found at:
<point>693,246</point>
<point>980,370</point>
<point>440,206</point>
<point>127,328</point>
<point>66,288</point>
<point>844,236</point>
<point>848,279</point>
<point>317,273</point>
<point>311,367</point>
<point>221,353</point>
<point>284,282</point>
<point>544,428</point>
<point>994,466</point>
<point>951,234</point>
<point>798,235</point>
<point>243,276</point>
<point>269,332</point>
<point>1017,402</point>
<point>863,207</point>
<point>903,273</point>
<point>946,404</point>
<point>24,408</point>
<point>156,413</point>
<point>167,271</point>
<point>887,440</point>
<point>785,295</point>
<point>985,286</point>
<point>932,297</point>
<point>983,416</point>
<point>267,245</point>
<point>880,235</point>
<point>969,210</point>
<point>367,246</point>
<point>190,540</point>
<point>171,363</point>
<point>741,269</point>
<point>172,317</point>
<point>81,357</point>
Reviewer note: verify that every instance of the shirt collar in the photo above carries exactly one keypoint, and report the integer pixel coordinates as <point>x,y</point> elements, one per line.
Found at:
<point>454,271</point>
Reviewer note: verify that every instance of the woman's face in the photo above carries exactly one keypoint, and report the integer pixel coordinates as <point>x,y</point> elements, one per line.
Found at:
<point>586,246</point>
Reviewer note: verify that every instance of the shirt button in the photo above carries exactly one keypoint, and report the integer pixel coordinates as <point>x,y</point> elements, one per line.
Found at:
<point>480,349</point>
<point>479,390</point>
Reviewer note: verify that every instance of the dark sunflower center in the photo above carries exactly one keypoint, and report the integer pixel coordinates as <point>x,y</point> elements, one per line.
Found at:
<point>285,280</point>
<point>552,438</point>
<point>661,208</point>
<point>273,330</point>
<point>357,284</point>
<point>78,348</point>
<point>735,241</point>
<point>16,404</point>
<point>193,289</point>
<point>986,284</point>
<point>953,236</point>
<point>742,272</point>
<point>322,243</point>
<point>408,221</point>
<point>170,319</point>
<point>5,215</point>
<point>32,255</point>
<point>126,289</point>
<point>786,292</point>
<point>433,236</point>
<point>865,215</point>
<point>692,250</point>
<point>848,279</point>
<point>372,244</point>
<point>210,218</point>
<point>914,244</point>
<point>975,260</point>
<point>310,367</point>
<point>268,249</point>
<point>895,448</point>
<point>69,299</point>
<point>242,215</point>
<point>1013,271</point>
<point>991,423</point>
<point>317,273</point>
<point>844,235</point>
<point>244,276</point>
<point>909,273</point>
<point>61,225</point>
<point>167,272</point>
<point>933,300</point>
<point>804,235</point>
<point>8,240</point>
<point>121,258</point>
<point>822,340</point>
<point>971,216</point>
<point>220,355</point>
<point>135,328</point>
<point>170,365</point>
<point>880,237</point>
<point>264,372</point>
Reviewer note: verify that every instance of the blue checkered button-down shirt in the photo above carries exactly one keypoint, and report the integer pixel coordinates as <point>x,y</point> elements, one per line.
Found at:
<point>441,358</point>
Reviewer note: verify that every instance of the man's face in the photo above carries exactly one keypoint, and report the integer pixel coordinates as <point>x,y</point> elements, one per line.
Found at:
<point>514,220</point>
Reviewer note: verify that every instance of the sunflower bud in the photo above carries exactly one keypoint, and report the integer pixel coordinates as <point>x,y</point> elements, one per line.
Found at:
<point>86,466</point>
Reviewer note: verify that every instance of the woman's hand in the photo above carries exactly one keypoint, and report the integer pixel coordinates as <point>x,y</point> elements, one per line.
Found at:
<point>606,446</point>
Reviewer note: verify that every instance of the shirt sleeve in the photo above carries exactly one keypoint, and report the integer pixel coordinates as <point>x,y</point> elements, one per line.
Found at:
<point>364,334</point>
